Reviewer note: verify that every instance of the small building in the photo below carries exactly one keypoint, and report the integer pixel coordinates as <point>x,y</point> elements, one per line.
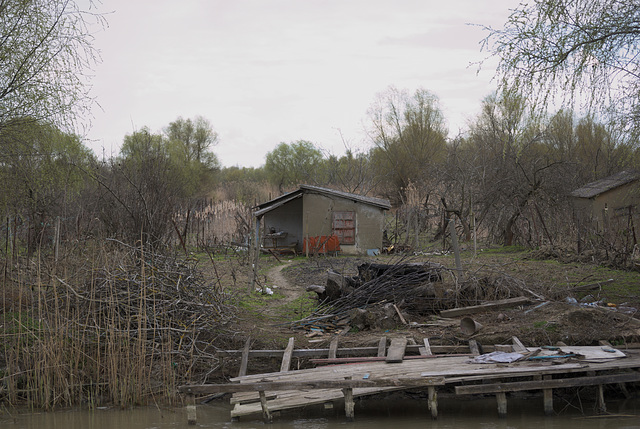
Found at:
<point>314,213</point>
<point>613,198</point>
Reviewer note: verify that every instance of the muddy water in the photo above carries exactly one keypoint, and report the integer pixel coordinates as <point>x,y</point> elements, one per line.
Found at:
<point>375,414</point>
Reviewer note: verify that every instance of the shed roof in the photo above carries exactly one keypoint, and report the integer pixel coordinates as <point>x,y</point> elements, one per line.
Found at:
<point>601,186</point>
<point>265,207</point>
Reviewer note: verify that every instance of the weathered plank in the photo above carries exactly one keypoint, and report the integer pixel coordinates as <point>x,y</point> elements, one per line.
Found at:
<point>272,386</point>
<point>333,348</point>
<point>509,302</point>
<point>244,362</point>
<point>454,369</point>
<point>427,347</point>
<point>548,384</point>
<point>286,358</point>
<point>396,350</point>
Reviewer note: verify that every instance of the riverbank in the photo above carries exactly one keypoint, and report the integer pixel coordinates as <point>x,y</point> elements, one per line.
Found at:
<point>117,326</point>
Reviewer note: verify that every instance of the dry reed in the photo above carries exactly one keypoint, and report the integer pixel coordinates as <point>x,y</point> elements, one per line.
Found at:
<point>109,324</point>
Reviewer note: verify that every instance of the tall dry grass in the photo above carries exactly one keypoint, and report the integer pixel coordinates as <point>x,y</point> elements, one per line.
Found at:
<point>107,323</point>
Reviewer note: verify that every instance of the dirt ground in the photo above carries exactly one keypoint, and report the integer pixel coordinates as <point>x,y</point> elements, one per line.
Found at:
<point>578,322</point>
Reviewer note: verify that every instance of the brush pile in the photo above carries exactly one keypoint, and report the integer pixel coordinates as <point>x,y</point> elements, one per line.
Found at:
<point>410,285</point>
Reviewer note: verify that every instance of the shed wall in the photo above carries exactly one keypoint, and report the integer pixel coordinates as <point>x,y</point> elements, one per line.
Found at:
<point>318,210</point>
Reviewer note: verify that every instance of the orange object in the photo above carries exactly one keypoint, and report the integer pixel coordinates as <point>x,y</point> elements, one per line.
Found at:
<point>321,244</point>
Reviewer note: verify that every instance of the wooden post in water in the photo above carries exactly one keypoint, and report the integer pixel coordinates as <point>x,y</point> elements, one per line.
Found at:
<point>348,402</point>
<point>266,415</point>
<point>547,395</point>
<point>191,411</point>
<point>601,406</point>
<point>433,402</point>
<point>501,397</point>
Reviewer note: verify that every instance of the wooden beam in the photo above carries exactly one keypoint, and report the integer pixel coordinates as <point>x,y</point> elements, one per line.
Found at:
<point>396,350</point>
<point>270,386</point>
<point>548,384</point>
<point>333,348</point>
<point>509,302</point>
<point>286,358</point>
<point>382,347</point>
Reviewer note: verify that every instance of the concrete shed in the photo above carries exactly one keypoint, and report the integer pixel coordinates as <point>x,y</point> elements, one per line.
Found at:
<point>311,211</point>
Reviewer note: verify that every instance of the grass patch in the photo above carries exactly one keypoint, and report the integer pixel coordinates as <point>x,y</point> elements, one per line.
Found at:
<point>299,308</point>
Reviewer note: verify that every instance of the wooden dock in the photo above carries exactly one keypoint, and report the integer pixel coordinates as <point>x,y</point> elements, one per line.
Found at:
<point>389,369</point>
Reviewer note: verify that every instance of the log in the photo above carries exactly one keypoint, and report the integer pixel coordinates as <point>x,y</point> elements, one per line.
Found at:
<point>509,302</point>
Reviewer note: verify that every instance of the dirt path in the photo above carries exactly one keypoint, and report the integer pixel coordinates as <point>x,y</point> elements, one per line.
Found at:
<point>283,286</point>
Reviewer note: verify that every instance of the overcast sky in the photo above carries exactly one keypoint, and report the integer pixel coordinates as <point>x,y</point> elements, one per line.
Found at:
<point>270,71</point>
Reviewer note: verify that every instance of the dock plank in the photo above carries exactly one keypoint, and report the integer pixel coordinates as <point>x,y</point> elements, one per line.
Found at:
<point>454,369</point>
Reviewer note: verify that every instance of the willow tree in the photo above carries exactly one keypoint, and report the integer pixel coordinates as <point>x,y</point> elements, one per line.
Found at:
<point>45,53</point>
<point>580,52</point>
<point>409,135</point>
<point>293,164</point>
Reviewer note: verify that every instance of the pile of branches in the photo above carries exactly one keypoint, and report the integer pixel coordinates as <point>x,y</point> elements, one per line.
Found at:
<point>414,288</point>
<point>161,303</point>
<point>401,283</point>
